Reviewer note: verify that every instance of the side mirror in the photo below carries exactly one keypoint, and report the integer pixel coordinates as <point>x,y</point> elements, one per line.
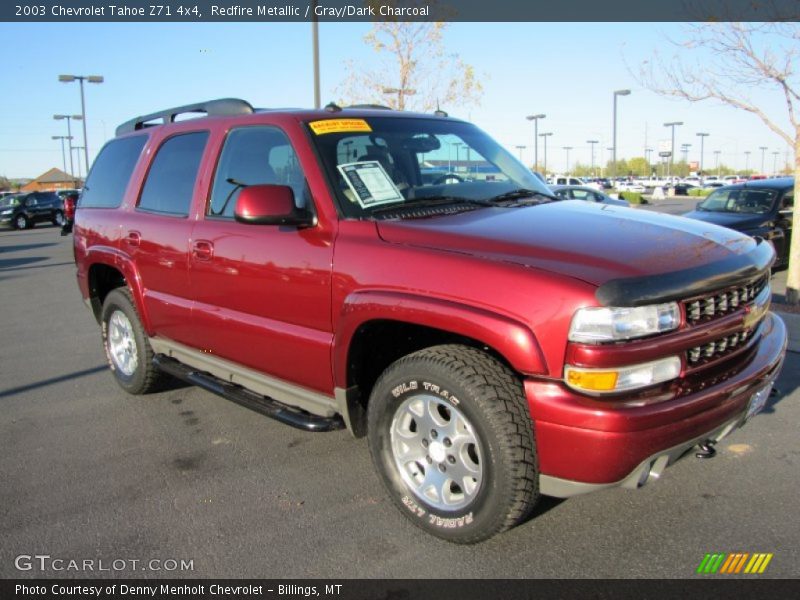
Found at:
<point>271,205</point>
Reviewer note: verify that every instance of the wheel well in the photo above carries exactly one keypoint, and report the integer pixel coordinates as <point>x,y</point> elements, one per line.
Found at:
<point>377,344</point>
<point>102,279</point>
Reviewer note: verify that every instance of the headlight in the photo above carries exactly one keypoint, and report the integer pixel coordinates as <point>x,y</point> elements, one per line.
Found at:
<point>607,324</point>
<point>620,379</point>
<point>6,212</point>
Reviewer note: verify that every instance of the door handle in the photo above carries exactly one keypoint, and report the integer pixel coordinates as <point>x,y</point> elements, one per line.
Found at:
<point>203,250</point>
<point>134,238</point>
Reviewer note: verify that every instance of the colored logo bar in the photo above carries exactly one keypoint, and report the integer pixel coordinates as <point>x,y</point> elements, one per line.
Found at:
<point>735,563</point>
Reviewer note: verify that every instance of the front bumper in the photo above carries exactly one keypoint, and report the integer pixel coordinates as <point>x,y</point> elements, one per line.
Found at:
<point>586,444</point>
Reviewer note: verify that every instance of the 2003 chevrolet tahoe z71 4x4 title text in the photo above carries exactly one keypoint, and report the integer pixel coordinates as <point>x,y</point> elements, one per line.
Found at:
<point>327,268</point>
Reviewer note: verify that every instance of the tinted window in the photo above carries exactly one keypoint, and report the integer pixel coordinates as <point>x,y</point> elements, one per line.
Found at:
<point>255,155</point>
<point>111,173</point>
<point>170,182</point>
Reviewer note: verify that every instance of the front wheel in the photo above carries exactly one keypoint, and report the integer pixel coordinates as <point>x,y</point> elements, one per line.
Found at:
<point>129,354</point>
<point>22,222</point>
<point>450,434</point>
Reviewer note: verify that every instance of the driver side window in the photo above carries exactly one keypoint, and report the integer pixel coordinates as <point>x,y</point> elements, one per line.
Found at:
<point>253,156</point>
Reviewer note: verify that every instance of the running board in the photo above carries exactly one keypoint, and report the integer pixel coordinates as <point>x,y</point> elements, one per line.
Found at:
<point>260,404</point>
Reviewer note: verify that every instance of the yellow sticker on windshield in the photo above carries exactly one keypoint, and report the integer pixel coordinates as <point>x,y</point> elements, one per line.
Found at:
<point>339,126</point>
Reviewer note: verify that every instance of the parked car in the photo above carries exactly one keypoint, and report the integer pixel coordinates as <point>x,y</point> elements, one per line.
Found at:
<point>682,188</point>
<point>70,203</point>
<point>23,211</point>
<point>575,192</point>
<point>761,208</point>
<point>491,343</point>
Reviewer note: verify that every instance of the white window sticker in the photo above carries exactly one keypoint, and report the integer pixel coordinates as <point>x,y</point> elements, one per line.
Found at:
<point>370,183</point>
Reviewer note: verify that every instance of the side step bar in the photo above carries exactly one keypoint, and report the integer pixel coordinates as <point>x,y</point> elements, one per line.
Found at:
<point>261,404</point>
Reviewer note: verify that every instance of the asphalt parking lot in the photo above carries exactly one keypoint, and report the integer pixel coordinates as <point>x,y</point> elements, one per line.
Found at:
<point>88,472</point>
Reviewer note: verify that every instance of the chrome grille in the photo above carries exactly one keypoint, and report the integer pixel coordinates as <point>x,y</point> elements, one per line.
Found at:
<point>723,302</point>
<point>717,348</point>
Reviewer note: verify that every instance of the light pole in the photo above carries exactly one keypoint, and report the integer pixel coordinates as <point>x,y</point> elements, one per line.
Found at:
<point>81,78</point>
<point>702,137</point>
<point>685,150</point>
<point>78,159</point>
<point>535,119</point>
<point>545,136</point>
<point>610,150</point>
<point>747,160</point>
<point>592,143</point>
<point>775,163</point>
<point>763,149</point>
<point>69,118</point>
<point>567,148</point>
<point>315,52</point>
<point>614,130</point>
<point>716,160</point>
<point>401,95</point>
<point>63,154</point>
<point>672,125</point>
<point>520,148</point>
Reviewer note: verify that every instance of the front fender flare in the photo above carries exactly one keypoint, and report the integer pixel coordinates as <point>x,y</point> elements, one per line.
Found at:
<point>510,338</point>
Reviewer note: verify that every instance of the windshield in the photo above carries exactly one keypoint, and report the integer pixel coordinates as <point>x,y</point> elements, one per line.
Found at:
<point>742,200</point>
<point>381,162</point>
<point>10,201</point>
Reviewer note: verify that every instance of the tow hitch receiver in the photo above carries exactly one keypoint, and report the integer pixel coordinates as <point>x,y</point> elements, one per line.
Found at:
<point>706,449</point>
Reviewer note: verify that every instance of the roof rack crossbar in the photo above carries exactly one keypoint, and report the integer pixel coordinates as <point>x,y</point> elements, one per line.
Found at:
<point>220,107</point>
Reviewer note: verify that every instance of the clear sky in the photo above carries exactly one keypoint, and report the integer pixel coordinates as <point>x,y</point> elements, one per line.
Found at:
<point>567,71</point>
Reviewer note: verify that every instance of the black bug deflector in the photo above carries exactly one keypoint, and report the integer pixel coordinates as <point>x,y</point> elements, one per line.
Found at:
<point>676,285</point>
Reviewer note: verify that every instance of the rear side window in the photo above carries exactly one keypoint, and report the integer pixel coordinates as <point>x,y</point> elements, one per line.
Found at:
<point>170,182</point>
<point>111,173</point>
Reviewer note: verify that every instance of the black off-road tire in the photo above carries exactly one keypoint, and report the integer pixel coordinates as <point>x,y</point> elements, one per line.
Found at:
<point>145,378</point>
<point>491,398</point>
<point>59,219</point>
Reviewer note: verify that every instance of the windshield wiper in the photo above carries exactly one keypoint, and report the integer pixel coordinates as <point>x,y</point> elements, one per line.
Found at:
<point>430,201</point>
<point>521,193</point>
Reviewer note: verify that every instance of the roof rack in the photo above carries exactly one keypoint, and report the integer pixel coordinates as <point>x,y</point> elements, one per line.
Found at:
<point>373,106</point>
<point>222,106</point>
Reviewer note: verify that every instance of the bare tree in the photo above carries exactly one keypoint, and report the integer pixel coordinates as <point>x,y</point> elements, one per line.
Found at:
<point>740,58</point>
<point>415,71</point>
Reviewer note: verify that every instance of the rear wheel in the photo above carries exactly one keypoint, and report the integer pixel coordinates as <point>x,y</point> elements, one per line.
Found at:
<point>450,435</point>
<point>129,354</point>
<point>58,218</point>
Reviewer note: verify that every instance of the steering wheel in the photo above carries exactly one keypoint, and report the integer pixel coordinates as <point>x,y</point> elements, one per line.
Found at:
<point>448,178</point>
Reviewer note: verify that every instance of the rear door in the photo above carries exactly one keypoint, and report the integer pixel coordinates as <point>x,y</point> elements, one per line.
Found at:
<point>156,233</point>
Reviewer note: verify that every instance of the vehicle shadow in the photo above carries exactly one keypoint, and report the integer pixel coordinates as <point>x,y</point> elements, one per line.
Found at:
<point>25,268</point>
<point>11,263</point>
<point>21,247</point>
<point>788,382</point>
<point>52,381</point>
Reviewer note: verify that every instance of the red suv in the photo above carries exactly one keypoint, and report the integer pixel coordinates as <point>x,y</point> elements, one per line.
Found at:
<point>347,268</point>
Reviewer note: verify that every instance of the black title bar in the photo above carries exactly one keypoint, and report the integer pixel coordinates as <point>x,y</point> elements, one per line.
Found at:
<point>189,11</point>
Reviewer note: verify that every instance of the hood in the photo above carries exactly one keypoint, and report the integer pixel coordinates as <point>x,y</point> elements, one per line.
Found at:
<point>738,221</point>
<point>591,242</point>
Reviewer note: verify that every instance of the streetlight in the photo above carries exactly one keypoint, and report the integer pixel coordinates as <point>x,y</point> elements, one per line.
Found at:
<point>69,118</point>
<point>685,150</point>
<point>81,78</point>
<point>716,160</point>
<point>614,131</point>
<point>775,163</point>
<point>78,159</point>
<point>535,119</point>
<point>567,148</point>
<point>520,148</point>
<point>401,94</point>
<point>747,160</point>
<point>648,152</point>
<point>592,143</point>
<point>702,137</point>
<point>545,136</point>
<point>672,125</point>
<point>763,149</point>
<point>63,154</point>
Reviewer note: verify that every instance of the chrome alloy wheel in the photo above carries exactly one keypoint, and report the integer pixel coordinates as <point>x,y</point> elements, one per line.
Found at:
<point>436,452</point>
<point>122,343</point>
